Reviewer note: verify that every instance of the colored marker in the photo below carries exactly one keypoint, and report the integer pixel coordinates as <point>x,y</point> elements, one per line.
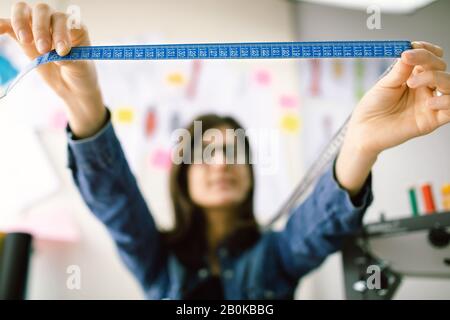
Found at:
<point>428,200</point>
<point>413,202</point>
<point>446,197</point>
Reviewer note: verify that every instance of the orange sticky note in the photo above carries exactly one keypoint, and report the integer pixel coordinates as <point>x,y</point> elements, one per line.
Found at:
<point>150,123</point>
<point>446,197</point>
<point>338,68</point>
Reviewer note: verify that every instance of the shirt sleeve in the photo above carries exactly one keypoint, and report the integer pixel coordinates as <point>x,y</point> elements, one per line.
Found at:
<point>319,225</point>
<point>108,187</point>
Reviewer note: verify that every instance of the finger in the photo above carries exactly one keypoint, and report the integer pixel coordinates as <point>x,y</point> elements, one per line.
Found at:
<point>438,51</point>
<point>28,48</point>
<point>433,79</point>
<point>60,33</point>
<point>41,27</point>
<point>79,36</point>
<point>443,117</point>
<point>5,27</point>
<point>417,70</point>
<point>20,21</point>
<point>424,58</point>
<point>439,103</point>
<point>397,76</point>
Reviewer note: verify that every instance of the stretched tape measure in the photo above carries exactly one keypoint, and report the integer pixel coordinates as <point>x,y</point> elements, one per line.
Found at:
<point>251,50</point>
<point>262,50</point>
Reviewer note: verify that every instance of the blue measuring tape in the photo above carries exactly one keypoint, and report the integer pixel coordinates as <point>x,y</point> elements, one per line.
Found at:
<point>257,50</point>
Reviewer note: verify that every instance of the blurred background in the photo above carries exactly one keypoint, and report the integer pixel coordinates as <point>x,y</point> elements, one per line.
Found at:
<point>304,101</point>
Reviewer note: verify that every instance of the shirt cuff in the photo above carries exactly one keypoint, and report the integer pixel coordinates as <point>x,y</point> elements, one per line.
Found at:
<point>363,196</point>
<point>337,200</point>
<point>99,151</point>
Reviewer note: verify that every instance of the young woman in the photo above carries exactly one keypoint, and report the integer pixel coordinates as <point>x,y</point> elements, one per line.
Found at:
<point>215,249</point>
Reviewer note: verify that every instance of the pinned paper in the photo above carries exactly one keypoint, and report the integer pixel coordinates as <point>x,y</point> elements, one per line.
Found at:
<point>359,79</point>
<point>263,77</point>
<point>27,175</point>
<point>338,69</point>
<point>49,226</point>
<point>174,122</point>
<point>124,115</point>
<point>288,101</point>
<point>191,90</point>
<point>327,125</point>
<point>58,120</point>
<point>290,123</point>
<point>176,79</point>
<point>315,77</point>
<point>150,123</point>
<point>7,71</point>
<point>161,159</point>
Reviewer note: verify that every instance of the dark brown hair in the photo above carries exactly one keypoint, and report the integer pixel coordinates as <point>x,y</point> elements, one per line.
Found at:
<point>187,239</point>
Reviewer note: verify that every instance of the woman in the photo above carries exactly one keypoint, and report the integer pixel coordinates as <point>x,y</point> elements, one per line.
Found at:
<point>215,249</point>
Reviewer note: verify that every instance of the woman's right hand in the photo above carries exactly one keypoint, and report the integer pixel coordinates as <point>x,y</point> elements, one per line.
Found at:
<point>40,29</point>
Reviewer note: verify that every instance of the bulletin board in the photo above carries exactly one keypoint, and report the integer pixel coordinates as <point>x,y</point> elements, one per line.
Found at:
<point>150,99</point>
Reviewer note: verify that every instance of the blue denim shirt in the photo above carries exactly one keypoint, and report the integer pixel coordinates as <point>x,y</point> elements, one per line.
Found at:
<point>270,269</point>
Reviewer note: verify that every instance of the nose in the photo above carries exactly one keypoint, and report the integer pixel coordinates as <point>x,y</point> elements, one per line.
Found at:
<point>219,160</point>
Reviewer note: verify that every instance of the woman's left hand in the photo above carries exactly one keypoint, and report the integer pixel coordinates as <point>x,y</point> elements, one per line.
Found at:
<point>403,105</point>
<point>399,107</point>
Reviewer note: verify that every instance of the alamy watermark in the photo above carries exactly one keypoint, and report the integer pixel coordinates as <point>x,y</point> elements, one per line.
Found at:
<point>73,17</point>
<point>371,282</point>
<point>374,20</point>
<point>214,146</point>
<point>73,281</point>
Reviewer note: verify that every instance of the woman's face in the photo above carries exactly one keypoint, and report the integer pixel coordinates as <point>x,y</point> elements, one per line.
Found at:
<point>218,185</point>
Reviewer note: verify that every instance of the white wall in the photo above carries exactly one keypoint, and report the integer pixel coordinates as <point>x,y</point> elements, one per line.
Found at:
<point>422,160</point>
<point>103,275</point>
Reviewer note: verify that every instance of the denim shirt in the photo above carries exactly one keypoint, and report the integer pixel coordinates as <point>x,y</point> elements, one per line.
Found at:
<point>269,269</point>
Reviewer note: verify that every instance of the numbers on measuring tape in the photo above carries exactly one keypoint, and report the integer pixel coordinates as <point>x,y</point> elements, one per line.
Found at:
<point>276,50</point>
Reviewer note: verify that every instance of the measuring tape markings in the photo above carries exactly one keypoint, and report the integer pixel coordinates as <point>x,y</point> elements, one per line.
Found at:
<point>269,50</point>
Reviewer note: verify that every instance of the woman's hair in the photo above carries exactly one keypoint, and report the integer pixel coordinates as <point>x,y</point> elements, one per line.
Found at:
<point>188,237</point>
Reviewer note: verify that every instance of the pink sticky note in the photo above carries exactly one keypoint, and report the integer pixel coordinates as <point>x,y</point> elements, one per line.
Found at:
<point>191,90</point>
<point>161,159</point>
<point>58,120</point>
<point>263,77</point>
<point>315,77</point>
<point>288,101</point>
<point>49,226</point>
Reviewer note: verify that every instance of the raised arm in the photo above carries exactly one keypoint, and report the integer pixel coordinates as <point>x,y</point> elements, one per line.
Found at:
<point>401,106</point>
<point>318,226</point>
<point>108,187</point>
<point>38,30</point>
<point>98,164</point>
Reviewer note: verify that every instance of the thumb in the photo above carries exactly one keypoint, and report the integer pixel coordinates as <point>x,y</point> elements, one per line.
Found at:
<point>398,75</point>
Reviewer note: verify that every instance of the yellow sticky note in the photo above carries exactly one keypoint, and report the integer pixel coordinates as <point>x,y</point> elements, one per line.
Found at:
<point>176,79</point>
<point>338,68</point>
<point>290,123</point>
<point>124,115</point>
